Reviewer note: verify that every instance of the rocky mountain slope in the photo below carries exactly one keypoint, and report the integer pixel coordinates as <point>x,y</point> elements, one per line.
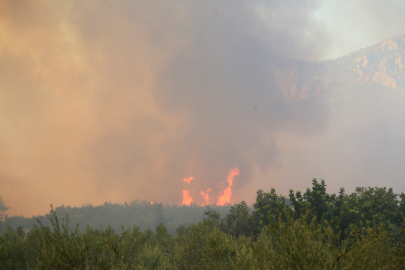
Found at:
<point>377,68</point>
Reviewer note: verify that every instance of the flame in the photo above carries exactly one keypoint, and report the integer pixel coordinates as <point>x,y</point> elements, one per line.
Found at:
<point>225,197</point>
<point>205,197</point>
<point>151,202</point>
<point>188,180</point>
<point>186,197</point>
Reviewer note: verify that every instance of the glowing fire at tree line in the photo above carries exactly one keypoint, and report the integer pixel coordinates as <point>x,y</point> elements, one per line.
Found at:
<point>225,195</point>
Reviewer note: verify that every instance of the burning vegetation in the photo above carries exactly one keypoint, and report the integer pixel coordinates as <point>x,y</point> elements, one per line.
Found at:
<point>205,197</point>
<point>186,197</point>
<point>225,194</point>
<point>225,197</point>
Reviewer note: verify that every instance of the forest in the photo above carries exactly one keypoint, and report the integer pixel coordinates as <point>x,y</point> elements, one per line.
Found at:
<point>137,213</point>
<point>304,230</point>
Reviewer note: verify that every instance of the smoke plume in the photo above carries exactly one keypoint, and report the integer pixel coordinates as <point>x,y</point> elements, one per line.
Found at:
<point>121,100</point>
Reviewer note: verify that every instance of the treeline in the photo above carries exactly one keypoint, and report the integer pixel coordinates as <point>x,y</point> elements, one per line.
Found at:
<point>137,213</point>
<point>362,230</point>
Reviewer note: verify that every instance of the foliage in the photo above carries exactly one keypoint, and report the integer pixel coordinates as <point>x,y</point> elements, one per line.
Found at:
<point>366,205</point>
<point>5,259</point>
<point>307,244</point>
<point>237,222</point>
<point>267,207</point>
<point>317,230</point>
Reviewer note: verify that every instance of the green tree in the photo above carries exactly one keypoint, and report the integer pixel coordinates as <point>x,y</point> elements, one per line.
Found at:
<point>268,206</point>
<point>14,244</point>
<point>321,204</point>
<point>164,240</point>
<point>308,244</point>
<point>374,205</point>
<point>5,260</point>
<point>190,244</point>
<point>239,221</point>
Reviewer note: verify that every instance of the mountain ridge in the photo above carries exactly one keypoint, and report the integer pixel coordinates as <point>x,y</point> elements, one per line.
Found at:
<point>379,65</point>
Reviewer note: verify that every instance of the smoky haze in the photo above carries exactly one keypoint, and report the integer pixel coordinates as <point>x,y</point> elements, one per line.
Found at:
<point>117,101</point>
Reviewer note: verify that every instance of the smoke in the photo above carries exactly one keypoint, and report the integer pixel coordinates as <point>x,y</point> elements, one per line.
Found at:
<point>116,101</point>
<point>359,24</point>
<point>362,145</point>
<point>188,180</point>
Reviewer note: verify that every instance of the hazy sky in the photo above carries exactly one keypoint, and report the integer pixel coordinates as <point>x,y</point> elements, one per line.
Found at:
<point>359,24</point>
<point>121,100</point>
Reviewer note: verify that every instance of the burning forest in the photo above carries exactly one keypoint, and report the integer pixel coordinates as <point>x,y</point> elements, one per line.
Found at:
<point>225,194</point>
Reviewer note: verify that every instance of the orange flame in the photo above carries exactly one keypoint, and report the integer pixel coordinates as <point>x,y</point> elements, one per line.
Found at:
<point>188,180</point>
<point>205,197</point>
<point>151,202</point>
<point>186,197</point>
<point>225,197</point>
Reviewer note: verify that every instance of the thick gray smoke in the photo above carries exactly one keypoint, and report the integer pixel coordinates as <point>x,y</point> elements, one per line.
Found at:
<point>121,100</point>
<point>218,81</point>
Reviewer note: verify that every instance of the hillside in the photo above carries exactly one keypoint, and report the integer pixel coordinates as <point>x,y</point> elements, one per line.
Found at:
<point>379,67</point>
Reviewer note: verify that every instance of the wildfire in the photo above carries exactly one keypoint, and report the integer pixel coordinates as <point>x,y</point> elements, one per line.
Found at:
<point>151,202</point>
<point>225,197</point>
<point>188,180</point>
<point>186,197</point>
<point>205,197</point>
